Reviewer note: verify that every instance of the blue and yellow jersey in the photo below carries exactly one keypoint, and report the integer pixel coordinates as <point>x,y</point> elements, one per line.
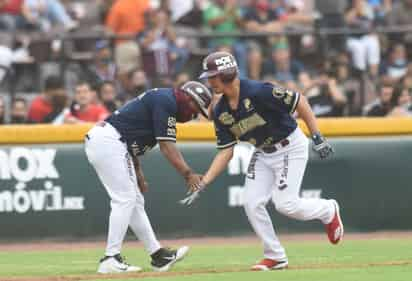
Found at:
<point>147,119</point>
<point>263,116</point>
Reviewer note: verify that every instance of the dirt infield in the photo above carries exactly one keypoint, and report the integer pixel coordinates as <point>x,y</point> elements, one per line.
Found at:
<point>44,244</point>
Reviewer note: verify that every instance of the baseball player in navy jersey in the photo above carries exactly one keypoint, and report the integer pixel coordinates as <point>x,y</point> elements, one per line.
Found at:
<point>261,114</point>
<point>113,148</point>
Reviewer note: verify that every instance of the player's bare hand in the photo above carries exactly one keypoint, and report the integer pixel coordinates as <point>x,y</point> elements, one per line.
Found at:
<point>193,181</point>
<point>321,146</point>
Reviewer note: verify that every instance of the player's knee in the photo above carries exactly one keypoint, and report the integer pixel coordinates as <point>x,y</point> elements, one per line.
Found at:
<point>287,207</point>
<point>251,206</point>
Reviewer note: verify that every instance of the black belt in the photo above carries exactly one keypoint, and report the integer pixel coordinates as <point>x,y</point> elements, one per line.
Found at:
<point>275,147</point>
<point>103,124</point>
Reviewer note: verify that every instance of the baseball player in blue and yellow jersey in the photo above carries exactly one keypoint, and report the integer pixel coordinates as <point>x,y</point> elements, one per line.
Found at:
<point>113,147</point>
<point>261,114</point>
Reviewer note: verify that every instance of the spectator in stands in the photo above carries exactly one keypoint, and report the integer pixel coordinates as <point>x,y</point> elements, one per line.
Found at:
<point>380,9</point>
<point>10,14</point>
<point>18,114</point>
<point>382,105</point>
<point>46,107</point>
<point>401,102</point>
<point>332,16</point>
<point>82,109</point>
<point>103,68</point>
<point>401,13</point>
<point>2,111</point>
<point>283,68</point>
<point>339,67</point>
<point>293,12</point>
<point>396,66</point>
<point>108,96</point>
<point>6,58</point>
<point>127,17</point>
<point>407,79</point>
<point>43,14</point>
<point>135,84</point>
<point>259,18</point>
<point>180,79</point>
<point>326,98</point>
<point>224,16</point>
<point>364,47</point>
<point>161,55</point>
<point>187,13</point>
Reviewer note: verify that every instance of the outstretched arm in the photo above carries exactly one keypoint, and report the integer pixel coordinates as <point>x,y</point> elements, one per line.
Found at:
<point>170,151</point>
<point>216,168</point>
<point>218,165</point>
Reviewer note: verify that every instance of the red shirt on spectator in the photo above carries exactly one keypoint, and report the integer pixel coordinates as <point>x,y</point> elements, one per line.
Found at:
<point>92,113</point>
<point>39,109</point>
<point>12,7</point>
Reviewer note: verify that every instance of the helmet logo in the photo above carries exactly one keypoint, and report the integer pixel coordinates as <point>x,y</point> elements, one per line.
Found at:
<point>224,63</point>
<point>199,90</point>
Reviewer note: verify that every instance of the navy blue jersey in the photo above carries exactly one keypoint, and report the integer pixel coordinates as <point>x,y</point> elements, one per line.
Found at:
<point>146,119</point>
<point>263,116</point>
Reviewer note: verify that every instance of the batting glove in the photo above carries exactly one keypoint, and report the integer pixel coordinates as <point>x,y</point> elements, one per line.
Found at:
<point>321,146</point>
<point>192,196</point>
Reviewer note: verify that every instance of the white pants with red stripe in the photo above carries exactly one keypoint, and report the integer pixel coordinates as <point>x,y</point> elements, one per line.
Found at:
<point>278,176</point>
<point>114,166</point>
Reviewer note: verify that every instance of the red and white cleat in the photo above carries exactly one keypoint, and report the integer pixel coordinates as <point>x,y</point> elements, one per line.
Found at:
<point>334,229</point>
<point>269,264</point>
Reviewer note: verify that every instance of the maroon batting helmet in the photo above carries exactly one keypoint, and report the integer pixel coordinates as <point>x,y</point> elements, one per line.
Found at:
<point>220,63</point>
<point>199,93</point>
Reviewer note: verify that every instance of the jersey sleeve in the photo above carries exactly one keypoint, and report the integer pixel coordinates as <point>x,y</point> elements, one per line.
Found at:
<point>224,137</point>
<point>278,98</point>
<point>164,119</point>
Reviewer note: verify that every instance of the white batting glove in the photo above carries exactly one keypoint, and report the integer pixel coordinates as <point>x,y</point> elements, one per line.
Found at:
<point>192,196</point>
<point>188,200</point>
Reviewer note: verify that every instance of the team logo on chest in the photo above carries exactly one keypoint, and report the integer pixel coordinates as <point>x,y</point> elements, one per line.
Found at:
<point>226,118</point>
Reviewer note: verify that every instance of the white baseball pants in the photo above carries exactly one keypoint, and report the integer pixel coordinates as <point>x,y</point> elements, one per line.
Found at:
<point>114,166</point>
<point>278,176</point>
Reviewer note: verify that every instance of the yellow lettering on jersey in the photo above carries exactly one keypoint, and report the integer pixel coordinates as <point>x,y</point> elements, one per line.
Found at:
<point>247,125</point>
<point>226,118</point>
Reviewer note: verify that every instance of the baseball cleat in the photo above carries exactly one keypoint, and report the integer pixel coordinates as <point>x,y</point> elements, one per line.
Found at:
<point>269,264</point>
<point>164,258</point>
<point>116,264</point>
<point>334,229</point>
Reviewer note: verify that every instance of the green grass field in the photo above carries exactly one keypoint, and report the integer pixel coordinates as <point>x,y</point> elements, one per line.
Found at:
<point>353,260</point>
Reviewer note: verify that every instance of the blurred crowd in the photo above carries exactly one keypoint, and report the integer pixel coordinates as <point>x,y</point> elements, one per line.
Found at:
<point>156,45</point>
